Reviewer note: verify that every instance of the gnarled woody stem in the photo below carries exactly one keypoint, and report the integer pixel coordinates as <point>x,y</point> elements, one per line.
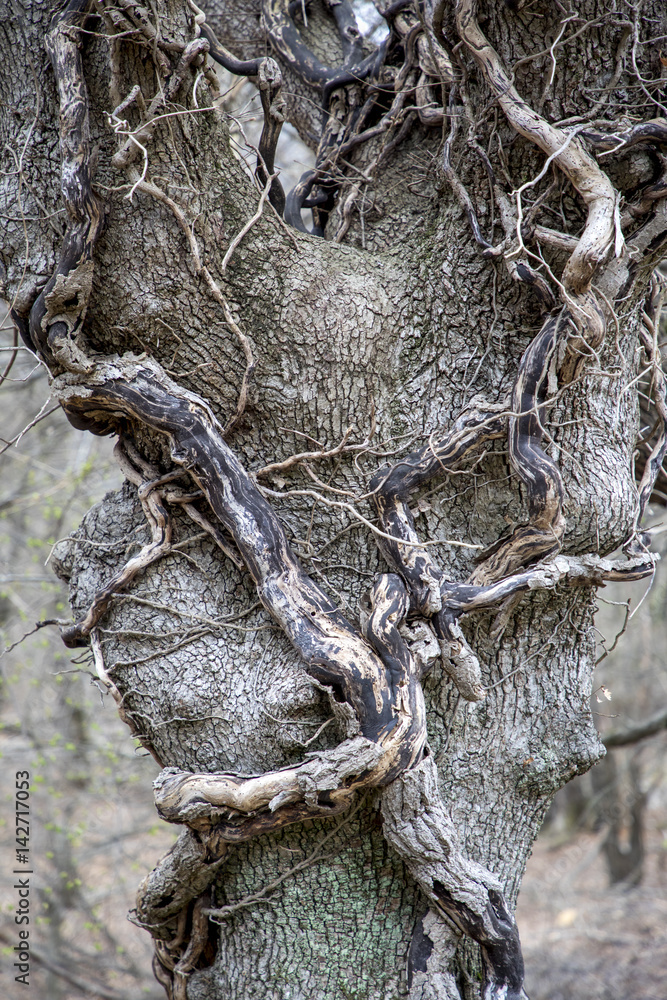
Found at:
<point>287,40</point>
<point>381,684</point>
<point>334,652</point>
<point>444,601</point>
<point>378,680</point>
<point>576,163</point>
<point>391,487</point>
<point>57,315</point>
<point>417,826</point>
<point>581,311</point>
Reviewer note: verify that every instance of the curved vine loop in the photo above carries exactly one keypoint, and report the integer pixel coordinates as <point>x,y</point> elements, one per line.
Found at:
<point>409,91</point>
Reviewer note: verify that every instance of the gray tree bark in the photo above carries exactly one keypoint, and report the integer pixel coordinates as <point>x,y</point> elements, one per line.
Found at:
<point>379,341</point>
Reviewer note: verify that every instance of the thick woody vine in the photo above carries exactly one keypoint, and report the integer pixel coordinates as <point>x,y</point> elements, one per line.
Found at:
<point>376,673</point>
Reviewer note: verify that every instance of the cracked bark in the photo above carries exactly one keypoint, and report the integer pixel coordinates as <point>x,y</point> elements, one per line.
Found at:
<point>424,341</point>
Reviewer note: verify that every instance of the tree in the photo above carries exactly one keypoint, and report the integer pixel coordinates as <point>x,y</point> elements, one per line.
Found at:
<point>409,433</point>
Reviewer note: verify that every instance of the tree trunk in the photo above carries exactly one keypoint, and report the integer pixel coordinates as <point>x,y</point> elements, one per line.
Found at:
<point>219,359</point>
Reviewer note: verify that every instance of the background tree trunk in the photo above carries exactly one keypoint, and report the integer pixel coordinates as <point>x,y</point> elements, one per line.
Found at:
<point>390,334</point>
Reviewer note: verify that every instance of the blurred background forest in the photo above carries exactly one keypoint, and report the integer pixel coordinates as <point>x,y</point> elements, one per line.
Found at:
<point>593,907</point>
